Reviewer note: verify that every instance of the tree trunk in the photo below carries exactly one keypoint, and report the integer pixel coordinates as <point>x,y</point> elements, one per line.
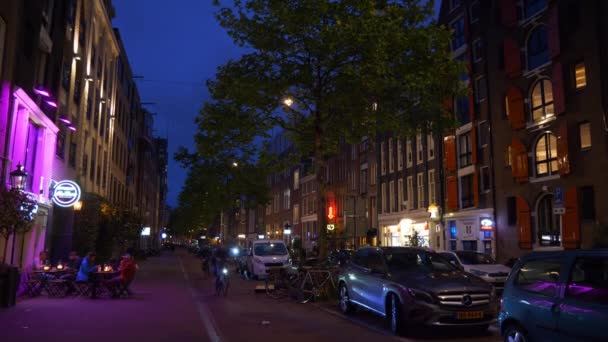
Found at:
<point>5,248</point>
<point>13,248</point>
<point>22,248</point>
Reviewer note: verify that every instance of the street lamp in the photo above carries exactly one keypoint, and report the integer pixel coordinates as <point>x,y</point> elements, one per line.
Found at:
<point>288,101</point>
<point>18,178</point>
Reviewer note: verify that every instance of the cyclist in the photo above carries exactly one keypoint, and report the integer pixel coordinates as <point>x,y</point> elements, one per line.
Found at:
<point>219,257</point>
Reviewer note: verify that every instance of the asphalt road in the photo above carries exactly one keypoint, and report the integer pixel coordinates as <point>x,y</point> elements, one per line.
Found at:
<point>174,302</point>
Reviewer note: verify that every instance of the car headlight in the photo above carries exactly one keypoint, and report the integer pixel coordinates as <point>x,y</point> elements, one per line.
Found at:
<point>235,251</point>
<point>225,271</point>
<point>421,295</point>
<point>478,273</point>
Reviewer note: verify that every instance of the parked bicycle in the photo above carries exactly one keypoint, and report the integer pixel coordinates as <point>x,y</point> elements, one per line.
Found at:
<point>305,284</point>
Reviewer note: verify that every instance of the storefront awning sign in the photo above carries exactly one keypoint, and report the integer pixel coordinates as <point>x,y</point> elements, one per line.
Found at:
<point>331,226</point>
<point>66,193</point>
<point>486,224</point>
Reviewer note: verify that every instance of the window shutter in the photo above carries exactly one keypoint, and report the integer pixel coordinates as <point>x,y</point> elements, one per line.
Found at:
<point>557,80</point>
<point>523,223</point>
<point>449,144</point>
<point>563,160</point>
<point>452,189</point>
<point>515,108</point>
<point>571,231</point>
<point>508,13</point>
<point>476,188</point>
<point>519,159</point>
<point>512,57</point>
<point>553,31</point>
<point>473,145</point>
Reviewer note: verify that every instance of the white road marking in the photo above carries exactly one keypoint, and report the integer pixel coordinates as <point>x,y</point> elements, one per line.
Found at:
<point>203,313</point>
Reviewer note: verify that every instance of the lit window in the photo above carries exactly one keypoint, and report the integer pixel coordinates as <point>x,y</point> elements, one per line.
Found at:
<point>430,143</point>
<point>585,133</point>
<point>546,155</point>
<point>296,179</point>
<point>508,156</point>
<point>537,48</point>
<point>580,75</point>
<point>432,195</point>
<point>391,195</point>
<point>542,100</point>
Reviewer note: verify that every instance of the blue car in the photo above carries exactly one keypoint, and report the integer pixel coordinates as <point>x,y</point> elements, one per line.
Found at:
<point>557,296</point>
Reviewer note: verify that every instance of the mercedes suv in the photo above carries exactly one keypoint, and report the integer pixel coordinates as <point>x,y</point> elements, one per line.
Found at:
<point>412,285</point>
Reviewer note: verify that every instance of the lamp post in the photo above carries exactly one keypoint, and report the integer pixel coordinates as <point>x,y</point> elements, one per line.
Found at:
<point>18,178</point>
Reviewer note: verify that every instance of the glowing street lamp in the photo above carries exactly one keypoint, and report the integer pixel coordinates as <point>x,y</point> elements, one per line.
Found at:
<point>288,101</point>
<point>18,178</point>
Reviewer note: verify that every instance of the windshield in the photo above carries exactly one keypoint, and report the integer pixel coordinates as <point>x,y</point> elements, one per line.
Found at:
<point>417,261</point>
<point>268,248</point>
<point>472,258</point>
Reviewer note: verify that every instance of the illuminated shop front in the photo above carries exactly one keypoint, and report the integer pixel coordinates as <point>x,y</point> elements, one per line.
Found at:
<point>407,233</point>
<point>471,233</point>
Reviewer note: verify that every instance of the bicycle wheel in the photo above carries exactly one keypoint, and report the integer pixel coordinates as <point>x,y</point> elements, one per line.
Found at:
<point>307,290</point>
<point>275,287</point>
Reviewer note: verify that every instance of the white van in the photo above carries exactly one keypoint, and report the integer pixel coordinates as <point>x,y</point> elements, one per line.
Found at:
<point>266,253</point>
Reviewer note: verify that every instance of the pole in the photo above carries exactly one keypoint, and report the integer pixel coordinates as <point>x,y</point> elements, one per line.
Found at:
<point>355,221</point>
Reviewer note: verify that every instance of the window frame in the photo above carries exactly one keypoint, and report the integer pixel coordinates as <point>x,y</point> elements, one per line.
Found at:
<point>547,60</point>
<point>420,190</point>
<point>576,85</point>
<point>580,134</point>
<point>474,19</point>
<point>483,132</point>
<point>409,155</point>
<point>419,149</point>
<point>410,192</point>
<point>432,187</point>
<point>549,158</point>
<point>480,84</point>
<point>558,260</point>
<point>453,38</point>
<point>468,154</point>
<point>482,189</point>
<point>471,197</point>
<point>477,55</point>
<point>400,194</point>
<point>544,103</point>
<point>430,147</point>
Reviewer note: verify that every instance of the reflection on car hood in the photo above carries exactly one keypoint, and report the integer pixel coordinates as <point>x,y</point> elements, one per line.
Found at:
<point>441,281</point>
<point>492,268</point>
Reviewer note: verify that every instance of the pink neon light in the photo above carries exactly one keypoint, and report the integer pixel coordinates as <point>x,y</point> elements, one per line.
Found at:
<point>52,103</point>
<point>42,92</point>
<point>65,120</point>
<point>72,128</point>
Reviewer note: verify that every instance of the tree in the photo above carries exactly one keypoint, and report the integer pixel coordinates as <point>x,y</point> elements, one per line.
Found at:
<point>17,212</point>
<point>326,72</point>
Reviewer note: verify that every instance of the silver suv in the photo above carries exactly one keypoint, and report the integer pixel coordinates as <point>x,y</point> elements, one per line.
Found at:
<point>413,285</point>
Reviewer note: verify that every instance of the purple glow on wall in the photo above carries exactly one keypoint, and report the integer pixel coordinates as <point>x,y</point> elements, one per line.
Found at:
<point>42,92</point>
<point>52,103</point>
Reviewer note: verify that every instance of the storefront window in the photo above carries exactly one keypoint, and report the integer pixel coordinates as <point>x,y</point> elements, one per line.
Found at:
<point>470,245</point>
<point>453,234</point>
<point>549,226</point>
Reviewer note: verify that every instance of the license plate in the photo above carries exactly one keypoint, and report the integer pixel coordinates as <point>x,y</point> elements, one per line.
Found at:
<point>469,315</point>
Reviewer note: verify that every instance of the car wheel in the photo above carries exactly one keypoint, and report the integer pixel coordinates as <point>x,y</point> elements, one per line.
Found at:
<point>395,315</point>
<point>345,305</point>
<point>515,333</point>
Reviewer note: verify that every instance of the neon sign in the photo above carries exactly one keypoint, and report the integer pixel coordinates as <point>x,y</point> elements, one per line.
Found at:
<point>66,193</point>
<point>330,213</point>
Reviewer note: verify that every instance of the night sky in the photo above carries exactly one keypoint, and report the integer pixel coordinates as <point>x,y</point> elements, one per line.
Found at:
<point>176,46</point>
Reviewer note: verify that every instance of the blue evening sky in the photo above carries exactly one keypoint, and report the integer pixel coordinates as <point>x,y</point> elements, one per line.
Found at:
<point>176,46</point>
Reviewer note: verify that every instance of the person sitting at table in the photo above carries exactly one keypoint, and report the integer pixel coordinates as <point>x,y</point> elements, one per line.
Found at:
<point>127,269</point>
<point>41,260</point>
<point>74,261</point>
<point>87,267</point>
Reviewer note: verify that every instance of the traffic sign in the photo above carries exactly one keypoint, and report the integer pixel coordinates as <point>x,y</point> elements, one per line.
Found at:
<point>558,197</point>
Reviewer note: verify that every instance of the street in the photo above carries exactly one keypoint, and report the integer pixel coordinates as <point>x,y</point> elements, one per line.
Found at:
<point>173,302</point>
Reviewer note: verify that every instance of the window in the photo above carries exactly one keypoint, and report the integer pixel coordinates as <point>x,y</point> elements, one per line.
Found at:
<point>2,42</point>
<point>430,146</point>
<point>453,231</point>
<point>540,276</point>
<point>475,12</point>
<point>383,197</point>
<point>463,114</point>
<point>408,152</point>
<point>60,147</point>
<point>477,50</point>
<point>72,151</point>
<point>480,89</point>
<point>589,280</point>
<point>580,76</point>
<point>542,100</point>
<point>373,173</point>
<point>400,194</point>
<point>484,131</point>
<point>287,199</point>
<point>363,181</point>
<point>587,203</point>
<point>382,159</point>
<point>66,74</point>
<point>465,150</point>
<point>276,203</point>
<point>296,213</point>
<point>419,149</point>
<point>458,39</point>
<point>420,186</point>
<point>532,7</point>
<point>508,157</point>
<point>33,135</point>
<point>546,155</point>
<point>399,155</point>
<point>410,192</point>
<point>537,48</point>
<point>391,163</point>
<point>584,129</point>
<point>484,179</point>
<point>549,224</point>
<point>432,191</point>
<point>391,195</point>
<point>296,179</point>
<point>466,191</point>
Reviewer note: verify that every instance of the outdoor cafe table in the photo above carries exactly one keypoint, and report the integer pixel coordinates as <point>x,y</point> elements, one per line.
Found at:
<point>101,278</point>
<point>46,280</point>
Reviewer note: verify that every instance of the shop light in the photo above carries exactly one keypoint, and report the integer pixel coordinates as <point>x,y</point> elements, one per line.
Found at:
<point>72,128</point>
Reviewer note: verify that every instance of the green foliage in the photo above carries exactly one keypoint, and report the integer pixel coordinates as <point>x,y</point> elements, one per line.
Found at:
<point>17,210</point>
<point>349,68</point>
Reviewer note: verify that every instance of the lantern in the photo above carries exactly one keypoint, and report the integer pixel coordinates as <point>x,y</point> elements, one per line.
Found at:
<point>18,178</point>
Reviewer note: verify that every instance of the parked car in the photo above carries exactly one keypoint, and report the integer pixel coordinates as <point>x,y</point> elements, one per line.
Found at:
<point>557,296</point>
<point>481,265</point>
<point>340,257</point>
<point>411,286</point>
<point>267,253</point>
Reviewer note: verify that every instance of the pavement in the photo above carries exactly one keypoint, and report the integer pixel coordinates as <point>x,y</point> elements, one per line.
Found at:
<point>174,302</point>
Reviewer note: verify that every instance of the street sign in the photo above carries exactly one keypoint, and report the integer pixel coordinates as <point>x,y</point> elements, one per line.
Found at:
<point>558,197</point>
<point>66,193</point>
<point>559,211</point>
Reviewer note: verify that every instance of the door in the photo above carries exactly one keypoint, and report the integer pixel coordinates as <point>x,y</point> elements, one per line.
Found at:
<point>373,281</point>
<point>534,299</point>
<point>355,273</point>
<point>584,310</point>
